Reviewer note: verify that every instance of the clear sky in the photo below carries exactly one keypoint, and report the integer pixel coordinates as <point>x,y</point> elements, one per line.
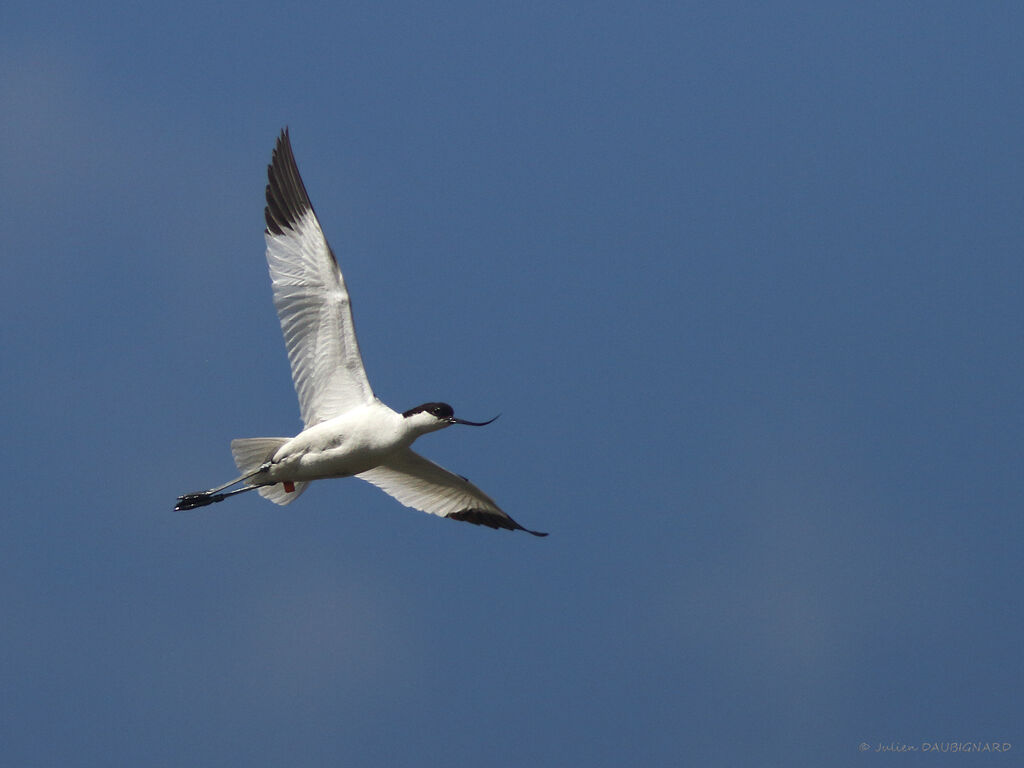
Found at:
<point>744,280</point>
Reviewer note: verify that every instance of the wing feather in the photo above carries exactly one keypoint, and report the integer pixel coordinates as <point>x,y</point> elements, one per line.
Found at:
<point>311,298</point>
<point>421,484</point>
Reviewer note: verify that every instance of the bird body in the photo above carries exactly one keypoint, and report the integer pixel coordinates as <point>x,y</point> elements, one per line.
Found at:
<point>354,442</point>
<point>348,430</point>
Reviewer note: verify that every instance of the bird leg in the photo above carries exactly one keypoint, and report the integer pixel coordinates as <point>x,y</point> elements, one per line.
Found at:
<point>212,496</point>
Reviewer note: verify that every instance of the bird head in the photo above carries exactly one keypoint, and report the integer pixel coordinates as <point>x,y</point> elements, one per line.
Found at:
<point>433,416</point>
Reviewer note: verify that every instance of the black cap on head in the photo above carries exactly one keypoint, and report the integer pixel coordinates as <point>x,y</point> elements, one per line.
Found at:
<point>440,410</point>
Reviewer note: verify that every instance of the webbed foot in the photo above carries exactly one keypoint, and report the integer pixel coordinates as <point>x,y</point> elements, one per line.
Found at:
<point>195,500</point>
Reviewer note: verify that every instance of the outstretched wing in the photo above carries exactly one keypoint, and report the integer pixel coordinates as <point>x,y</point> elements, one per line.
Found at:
<point>311,298</point>
<point>421,484</point>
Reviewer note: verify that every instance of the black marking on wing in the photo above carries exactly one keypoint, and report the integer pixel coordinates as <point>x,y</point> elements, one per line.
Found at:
<point>287,200</point>
<point>490,519</point>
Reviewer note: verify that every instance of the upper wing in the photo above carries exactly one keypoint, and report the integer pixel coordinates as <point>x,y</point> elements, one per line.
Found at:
<point>423,485</point>
<point>311,299</point>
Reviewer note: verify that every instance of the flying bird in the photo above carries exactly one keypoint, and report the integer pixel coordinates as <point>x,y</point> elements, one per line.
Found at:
<point>348,431</point>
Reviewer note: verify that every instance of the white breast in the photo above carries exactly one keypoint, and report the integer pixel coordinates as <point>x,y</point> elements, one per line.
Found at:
<point>343,446</point>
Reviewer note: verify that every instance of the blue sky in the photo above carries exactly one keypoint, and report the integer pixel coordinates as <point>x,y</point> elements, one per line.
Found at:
<point>744,280</point>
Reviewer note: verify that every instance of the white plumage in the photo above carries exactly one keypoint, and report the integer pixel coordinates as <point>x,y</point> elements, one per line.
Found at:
<point>348,431</point>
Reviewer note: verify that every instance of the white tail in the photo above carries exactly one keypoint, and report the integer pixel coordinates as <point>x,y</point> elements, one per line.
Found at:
<point>251,452</point>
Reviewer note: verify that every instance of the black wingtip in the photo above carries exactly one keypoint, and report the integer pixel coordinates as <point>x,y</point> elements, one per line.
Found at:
<point>491,520</point>
<point>287,199</point>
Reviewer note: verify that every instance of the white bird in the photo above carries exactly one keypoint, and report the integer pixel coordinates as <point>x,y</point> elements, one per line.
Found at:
<point>348,431</point>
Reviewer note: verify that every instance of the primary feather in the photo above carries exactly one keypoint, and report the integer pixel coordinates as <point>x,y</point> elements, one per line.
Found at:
<point>311,298</point>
